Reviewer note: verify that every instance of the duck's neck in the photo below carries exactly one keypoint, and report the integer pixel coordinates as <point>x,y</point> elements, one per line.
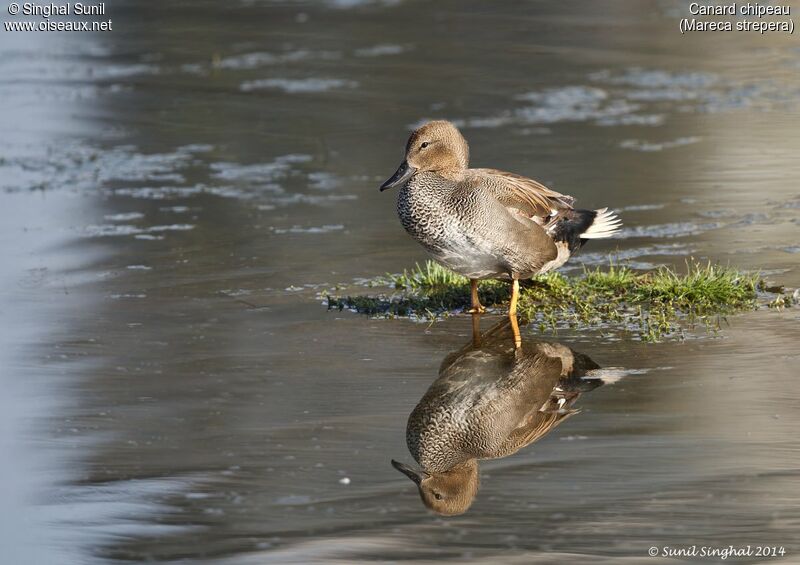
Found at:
<point>436,442</point>
<point>454,174</point>
<point>445,460</point>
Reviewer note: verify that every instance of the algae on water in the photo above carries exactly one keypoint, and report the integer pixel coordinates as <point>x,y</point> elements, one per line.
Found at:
<point>651,305</point>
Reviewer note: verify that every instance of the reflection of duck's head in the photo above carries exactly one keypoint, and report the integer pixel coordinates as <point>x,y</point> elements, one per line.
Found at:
<point>448,493</point>
<point>491,399</point>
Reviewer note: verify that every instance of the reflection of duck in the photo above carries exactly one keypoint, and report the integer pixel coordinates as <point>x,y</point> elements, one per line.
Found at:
<point>489,401</point>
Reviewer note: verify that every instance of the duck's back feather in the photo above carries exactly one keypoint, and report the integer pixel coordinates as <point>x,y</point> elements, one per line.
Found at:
<point>530,197</point>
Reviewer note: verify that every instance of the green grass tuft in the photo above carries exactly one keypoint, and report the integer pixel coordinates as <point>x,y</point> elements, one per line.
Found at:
<point>650,305</point>
<point>431,275</point>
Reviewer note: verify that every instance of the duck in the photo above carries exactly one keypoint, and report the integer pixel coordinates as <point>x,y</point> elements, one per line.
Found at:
<point>489,401</point>
<point>487,223</point>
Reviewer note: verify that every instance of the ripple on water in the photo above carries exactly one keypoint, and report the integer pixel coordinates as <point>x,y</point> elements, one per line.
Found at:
<point>638,97</point>
<point>115,230</point>
<point>126,164</point>
<point>347,4</point>
<point>258,59</point>
<point>656,80</point>
<point>81,167</point>
<point>724,213</point>
<point>641,207</point>
<point>173,192</point>
<point>327,228</point>
<point>298,86</point>
<point>270,172</point>
<point>323,180</point>
<point>118,509</point>
<point>753,218</point>
<point>628,255</point>
<point>293,499</point>
<point>123,217</point>
<point>314,200</point>
<point>577,103</point>
<point>261,59</point>
<point>123,171</point>
<point>105,72</point>
<point>380,50</point>
<point>696,91</point>
<point>676,229</point>
<point>648,146</point>
<point>632,120</point>
<point>571,104</point>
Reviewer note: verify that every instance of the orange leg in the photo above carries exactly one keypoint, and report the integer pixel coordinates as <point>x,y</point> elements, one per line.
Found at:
<point>477,308</point>
<point>476,331</point>
<point>512,307</point>
<point>512,313</point>
<point>515,331</point>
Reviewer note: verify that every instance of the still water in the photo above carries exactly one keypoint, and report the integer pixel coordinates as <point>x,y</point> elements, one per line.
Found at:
<point>175,196</point>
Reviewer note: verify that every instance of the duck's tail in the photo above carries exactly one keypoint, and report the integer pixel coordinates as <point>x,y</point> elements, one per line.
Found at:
<point>575,227</point>
<point>604,224</point>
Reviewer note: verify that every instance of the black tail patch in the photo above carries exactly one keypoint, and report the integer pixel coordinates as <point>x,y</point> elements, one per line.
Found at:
<point>568,226</point>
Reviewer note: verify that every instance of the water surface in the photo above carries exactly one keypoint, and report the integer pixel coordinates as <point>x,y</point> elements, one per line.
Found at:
<point>176,194</point>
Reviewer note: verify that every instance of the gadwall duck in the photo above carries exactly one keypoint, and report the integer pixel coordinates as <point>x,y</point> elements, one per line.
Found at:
<point>489,402</point>
<point>486,223</point>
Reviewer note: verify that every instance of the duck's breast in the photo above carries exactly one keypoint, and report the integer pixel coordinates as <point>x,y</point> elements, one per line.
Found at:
<point>452,223</point>
<point>468,412</point>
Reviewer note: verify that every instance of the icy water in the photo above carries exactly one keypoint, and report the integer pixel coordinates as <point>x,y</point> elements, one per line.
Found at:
<point>175,194</point>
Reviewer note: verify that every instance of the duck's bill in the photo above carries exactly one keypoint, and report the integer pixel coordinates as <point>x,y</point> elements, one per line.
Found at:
<point>399,178</point>
<point>412,474</point>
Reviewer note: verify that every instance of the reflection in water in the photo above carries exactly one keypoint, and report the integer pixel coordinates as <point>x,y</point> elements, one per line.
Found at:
<point>492,398</point>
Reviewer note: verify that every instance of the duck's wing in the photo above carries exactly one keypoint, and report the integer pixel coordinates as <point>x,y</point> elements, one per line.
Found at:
<point>528,196</point>
<point>538,426</point>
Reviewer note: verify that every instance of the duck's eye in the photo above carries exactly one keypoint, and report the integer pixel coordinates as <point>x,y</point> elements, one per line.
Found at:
<point>424,144</point>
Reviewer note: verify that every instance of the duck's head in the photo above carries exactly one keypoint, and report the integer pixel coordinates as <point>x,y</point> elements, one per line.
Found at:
<point>449,493</point>
<point>436,146</point>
